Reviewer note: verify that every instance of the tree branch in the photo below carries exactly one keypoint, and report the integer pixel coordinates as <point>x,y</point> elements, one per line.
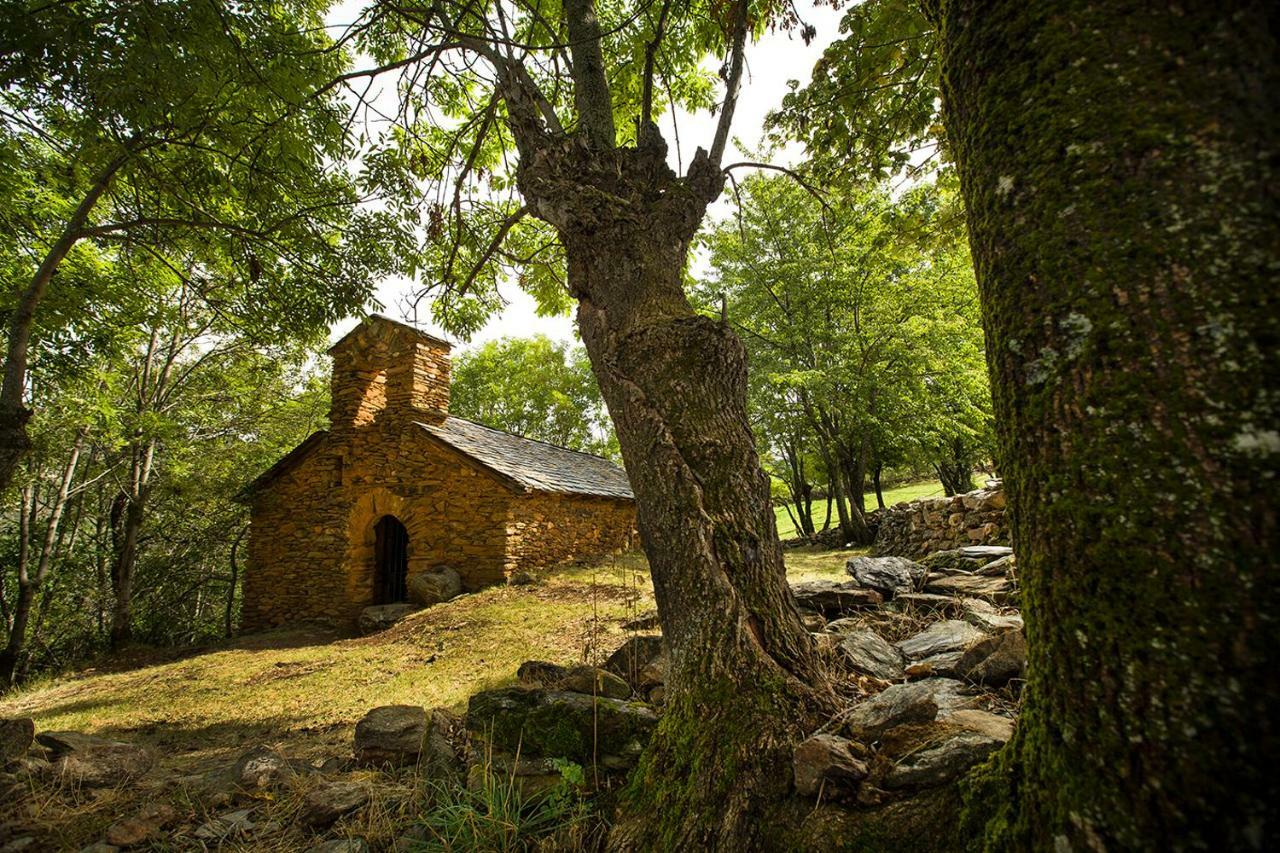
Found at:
<point>590,85</point>
<point>736,60</point>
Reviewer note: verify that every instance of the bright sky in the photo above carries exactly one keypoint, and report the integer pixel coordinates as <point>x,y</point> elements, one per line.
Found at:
<point>771,62</point>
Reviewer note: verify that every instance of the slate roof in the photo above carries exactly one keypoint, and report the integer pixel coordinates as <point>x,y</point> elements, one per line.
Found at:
<point>533,464</point>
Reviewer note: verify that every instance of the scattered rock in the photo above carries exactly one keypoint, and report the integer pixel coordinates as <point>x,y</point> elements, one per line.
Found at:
<point>868,652</point>
<point>833,599</point>
<point>995,661</point>
<point>540,673</point>
<point>946,636</point>
<point>995,590</point>
<point>987,553</point>
<point>147,825</point>
<point>380,617</point>
<point>984,615</point>
<point>949,695</point>
<point>433,587</point>
<point>941,664</point>
<point>405,735</point>
<point>555,724</point>
<point>847,625</point>
<point>826,763</point>
<point>941,763</point>
<point>95,762</point>
<point>1000,567</point>
<point>888,575</point>
<point>392,734</point>
<point>984,723</point>
<point>100,847</point>
<point>15,738</point>
<point>226,826</point>
<point>633,656</point>
<point>654,672</point>
<point>340,845</point>
<point>530,776</point>
<point>21,844</point>
<point>261,767</point>
<point>896,705</point>
<point>329,801</point>
<point>594,681</point>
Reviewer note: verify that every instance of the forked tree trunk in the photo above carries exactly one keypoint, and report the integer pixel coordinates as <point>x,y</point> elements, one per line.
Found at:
<point>1119,165</point>
<point>739,689</point>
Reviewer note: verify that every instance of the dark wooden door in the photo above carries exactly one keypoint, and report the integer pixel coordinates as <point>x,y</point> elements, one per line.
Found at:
<point>392,555</point>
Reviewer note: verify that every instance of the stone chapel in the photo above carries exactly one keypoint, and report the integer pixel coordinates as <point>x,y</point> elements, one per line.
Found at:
<point>397,487</point>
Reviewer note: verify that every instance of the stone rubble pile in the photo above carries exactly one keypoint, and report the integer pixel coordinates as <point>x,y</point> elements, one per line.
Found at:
<point>944,689</point>
<point>916,528</point>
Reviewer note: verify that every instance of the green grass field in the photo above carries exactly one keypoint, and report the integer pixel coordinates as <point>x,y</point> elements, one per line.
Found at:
<point>909,492</point>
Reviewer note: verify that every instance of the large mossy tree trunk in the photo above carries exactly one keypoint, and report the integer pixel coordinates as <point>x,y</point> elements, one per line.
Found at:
<point>742,667</point>
<point>1119,165</point>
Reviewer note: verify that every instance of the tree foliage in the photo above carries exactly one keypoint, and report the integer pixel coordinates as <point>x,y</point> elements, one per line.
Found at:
<point>534,387</point>
<point>860,314</point>
<point>208,139</point>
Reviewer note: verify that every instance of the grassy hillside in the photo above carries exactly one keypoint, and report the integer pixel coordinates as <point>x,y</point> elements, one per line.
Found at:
<point>309,687</point>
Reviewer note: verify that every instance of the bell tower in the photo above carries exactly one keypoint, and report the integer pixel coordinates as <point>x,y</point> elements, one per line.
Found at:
<point>387,369</point>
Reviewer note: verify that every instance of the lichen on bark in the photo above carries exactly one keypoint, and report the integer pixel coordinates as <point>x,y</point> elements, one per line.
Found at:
<point>1118,162</point>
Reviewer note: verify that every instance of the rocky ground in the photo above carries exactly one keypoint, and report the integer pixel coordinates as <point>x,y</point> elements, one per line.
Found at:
<point>929,655</point>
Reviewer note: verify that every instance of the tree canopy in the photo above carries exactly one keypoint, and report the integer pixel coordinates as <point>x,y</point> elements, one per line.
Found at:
<point>536,388</point>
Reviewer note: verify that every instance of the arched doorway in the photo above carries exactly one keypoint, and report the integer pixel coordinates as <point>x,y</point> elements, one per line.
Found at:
<point>391,560</point>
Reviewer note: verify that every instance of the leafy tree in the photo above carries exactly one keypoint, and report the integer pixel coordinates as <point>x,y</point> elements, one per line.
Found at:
<point>1121,212</point>
<point>860,315</point>
<point>533,387</point>
<point>208,137</point>
<point>127,521</point>
<point>532,128</point>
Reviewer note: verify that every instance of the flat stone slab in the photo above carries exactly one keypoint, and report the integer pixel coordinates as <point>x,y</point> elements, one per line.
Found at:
<point>887,575</point>
<point>868,652</point>
<point>380,617</point>
<point>894,706</point>
<point>941,763</point>
<point>557,724</point>
<point>986,552</point>
<point>949,635</point>
<point>998,590</point>
<point>833,599</point>
<point>825,762</point>
<point>95,762</point>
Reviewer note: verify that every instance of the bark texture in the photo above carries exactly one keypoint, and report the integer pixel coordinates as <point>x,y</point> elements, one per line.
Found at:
<point>1118,162</point>
<point>741,662</point>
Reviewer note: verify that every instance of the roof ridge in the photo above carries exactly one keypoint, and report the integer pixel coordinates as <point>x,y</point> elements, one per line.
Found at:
<point>387,319</point>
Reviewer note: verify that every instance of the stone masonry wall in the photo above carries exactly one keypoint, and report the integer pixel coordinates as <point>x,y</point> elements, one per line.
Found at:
<point>913,529</point>
<point>311,551</point>
<point>545,528</point>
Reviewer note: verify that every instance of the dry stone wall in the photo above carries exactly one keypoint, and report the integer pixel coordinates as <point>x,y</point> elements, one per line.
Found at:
<point>311,552</point>
<point>546,528</point>
<point>915,528</point>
